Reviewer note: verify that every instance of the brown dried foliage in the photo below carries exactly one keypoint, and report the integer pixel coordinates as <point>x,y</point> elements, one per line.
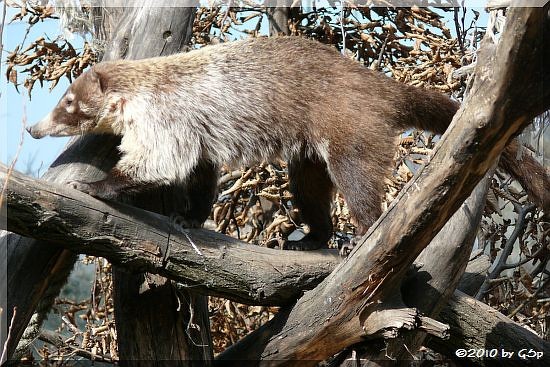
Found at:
<point>230,321</point>
<point>44,60</point>
<point>32,12</point>
<point>87,329</point>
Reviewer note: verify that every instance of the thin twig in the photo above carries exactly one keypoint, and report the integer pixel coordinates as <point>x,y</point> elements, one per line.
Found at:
<point>526,260</point>
<point>382,50</point>
<point>57,341</point>
<point>507,250</point>
<point>19,147</point>
<point>343,30</point>
<point>4,355</point>
<point>458,30</point>
<point>539,289</point>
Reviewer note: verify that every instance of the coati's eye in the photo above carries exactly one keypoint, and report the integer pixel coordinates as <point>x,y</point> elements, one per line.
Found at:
<point>69,99</point>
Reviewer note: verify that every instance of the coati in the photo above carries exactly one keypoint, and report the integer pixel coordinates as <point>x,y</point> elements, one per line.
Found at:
<point>242,102</point>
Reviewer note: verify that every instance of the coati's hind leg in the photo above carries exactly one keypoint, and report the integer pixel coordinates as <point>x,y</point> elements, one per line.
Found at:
<point>360,179</point>
<point>312,189</point>
<point>199,194</point>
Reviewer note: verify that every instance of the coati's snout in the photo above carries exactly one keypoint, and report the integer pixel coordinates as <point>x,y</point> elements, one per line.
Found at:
<point>54,125</point>
<point>78,112</point>
<point>43,127</point>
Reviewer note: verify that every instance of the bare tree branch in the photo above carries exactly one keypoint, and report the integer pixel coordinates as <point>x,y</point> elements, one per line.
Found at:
<point>59,229</point>
<point>476,326</point>
<point>145,241</point>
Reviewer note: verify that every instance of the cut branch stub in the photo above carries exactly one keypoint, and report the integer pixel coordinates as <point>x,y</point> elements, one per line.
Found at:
<point>386,323</point>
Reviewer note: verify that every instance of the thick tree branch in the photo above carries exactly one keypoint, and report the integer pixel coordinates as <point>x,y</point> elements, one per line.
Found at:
<point>473,326</point>
<point>145,241</point>
<point>531,175</point>
<point>476,326</point>
<point>443,264</point>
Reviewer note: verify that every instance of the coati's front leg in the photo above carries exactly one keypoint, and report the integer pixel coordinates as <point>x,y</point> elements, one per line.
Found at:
<point>110,187</point>
<point>312,192</point>
<point>198,192</point>
<point>148,160</point>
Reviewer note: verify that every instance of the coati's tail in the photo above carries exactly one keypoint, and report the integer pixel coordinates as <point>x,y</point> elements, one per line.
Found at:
<point>532,176</point>
<point>434,112</point>
<point>430,110</point>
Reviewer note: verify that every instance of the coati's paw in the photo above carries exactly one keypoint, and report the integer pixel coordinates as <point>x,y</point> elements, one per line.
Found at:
<point>181,223</point>
<point>96,189</point>
<point>346,245</point>
<point>303,245</point>
<point>85,187</point>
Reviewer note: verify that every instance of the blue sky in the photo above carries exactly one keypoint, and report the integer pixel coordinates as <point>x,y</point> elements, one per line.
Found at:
<point>37,155</point>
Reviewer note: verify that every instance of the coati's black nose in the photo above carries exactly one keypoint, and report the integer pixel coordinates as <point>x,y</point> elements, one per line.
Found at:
<point>31,133</point>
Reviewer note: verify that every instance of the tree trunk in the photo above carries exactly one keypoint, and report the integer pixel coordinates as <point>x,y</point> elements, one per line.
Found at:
<point>278,19</point>
<point>158,329</point>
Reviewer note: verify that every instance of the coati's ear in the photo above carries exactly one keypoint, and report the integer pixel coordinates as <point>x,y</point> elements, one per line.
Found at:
<point>99,79</point>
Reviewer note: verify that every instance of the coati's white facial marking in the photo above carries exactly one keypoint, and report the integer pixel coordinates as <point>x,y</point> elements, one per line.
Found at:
<point>48,126</point>
<point>83,107</point>
<point>69,106</point>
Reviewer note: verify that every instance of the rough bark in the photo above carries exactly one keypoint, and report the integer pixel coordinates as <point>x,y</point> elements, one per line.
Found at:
<point>428,287</point>
<point>36,270</point>
<point>442,265</point>
<point>471,337</point>
<point>477,327</point>
<point>144,241</point>
<point>530,174</point>
<point>475,274</point>
<point>278,18</point>
<point>502,102</point>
